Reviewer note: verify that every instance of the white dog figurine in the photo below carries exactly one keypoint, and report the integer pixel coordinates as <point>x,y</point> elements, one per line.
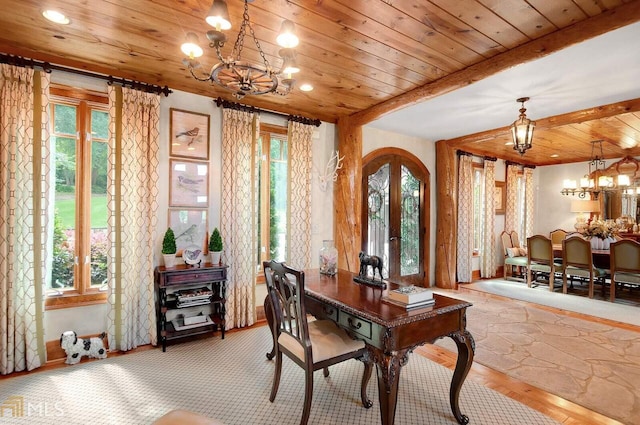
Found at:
<point>77,347</point>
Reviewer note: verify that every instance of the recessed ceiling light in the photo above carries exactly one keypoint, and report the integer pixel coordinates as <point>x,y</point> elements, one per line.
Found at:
<point>555,155</point>
<point>56,17</point>
<point>508,144</point>
<point>306,87</point>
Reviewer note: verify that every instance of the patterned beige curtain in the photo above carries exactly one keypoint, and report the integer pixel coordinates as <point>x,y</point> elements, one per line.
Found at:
<point>465,218</point>
<point>24,152</point>
<point>488,253</point>
<point>132,216</point>
<point>299,216</point>
<point>529,202</point>
<point>511,212</point>
<point>238,220</point>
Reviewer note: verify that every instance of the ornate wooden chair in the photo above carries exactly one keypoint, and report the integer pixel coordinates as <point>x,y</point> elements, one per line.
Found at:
<point>577,261</point>
<point>557,236</point>
<point>513,254</point>
<point>540,258</point>
<point>312,345</point>
<point>625,264</point>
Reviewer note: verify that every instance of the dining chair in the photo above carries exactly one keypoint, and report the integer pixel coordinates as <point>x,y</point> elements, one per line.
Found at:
<point>557,236</point>
<point>577,261</point>
<point>312,345</point>
<point>512,253</point>
<point>540,258</point>
<point>625,264</point>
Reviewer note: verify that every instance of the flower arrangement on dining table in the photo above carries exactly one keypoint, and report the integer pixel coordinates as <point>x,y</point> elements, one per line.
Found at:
<point>600,229</point>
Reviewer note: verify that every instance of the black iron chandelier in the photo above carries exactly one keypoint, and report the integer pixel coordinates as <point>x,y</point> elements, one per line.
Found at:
<point>235,74</point>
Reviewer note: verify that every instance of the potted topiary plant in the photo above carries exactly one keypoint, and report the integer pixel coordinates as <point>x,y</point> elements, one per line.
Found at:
<point>215,246</point>
<point>169,248</point>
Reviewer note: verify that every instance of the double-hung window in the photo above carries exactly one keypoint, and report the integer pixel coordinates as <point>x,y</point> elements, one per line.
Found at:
<point>80,123</point>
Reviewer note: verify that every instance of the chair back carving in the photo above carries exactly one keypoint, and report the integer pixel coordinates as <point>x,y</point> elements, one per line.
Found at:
<point>286,289</point>
<point>557,236</point>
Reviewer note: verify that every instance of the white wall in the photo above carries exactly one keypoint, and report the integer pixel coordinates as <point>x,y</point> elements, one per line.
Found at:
<point>553,209</point>
<point>373,138</point>
<point>93,319</point>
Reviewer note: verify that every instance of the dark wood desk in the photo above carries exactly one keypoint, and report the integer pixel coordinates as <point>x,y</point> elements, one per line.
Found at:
<point>390,332</point>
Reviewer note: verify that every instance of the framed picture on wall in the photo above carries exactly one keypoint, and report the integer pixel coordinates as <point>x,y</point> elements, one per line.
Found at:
<point>189,134</point>
<point>190,228</point>
<point>501,197</point>
<point>188,183</point>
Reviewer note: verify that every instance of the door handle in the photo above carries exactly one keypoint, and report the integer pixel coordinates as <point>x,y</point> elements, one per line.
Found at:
<point>393,238</point>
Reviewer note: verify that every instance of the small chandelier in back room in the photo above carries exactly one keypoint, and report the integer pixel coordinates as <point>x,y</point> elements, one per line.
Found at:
<point>522,130</point>
<point>235,74</point>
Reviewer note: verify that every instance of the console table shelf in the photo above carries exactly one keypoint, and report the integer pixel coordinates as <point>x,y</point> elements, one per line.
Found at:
<point>184,281</point>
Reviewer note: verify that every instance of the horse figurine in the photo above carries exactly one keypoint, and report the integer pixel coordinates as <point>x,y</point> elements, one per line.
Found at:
<point>370,260</point>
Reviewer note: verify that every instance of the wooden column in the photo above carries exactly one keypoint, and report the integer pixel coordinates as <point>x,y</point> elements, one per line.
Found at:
<point>446,219</point>
<point>347,196</point>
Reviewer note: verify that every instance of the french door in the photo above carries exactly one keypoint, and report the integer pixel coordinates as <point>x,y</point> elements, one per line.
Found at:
<point>395,187</point>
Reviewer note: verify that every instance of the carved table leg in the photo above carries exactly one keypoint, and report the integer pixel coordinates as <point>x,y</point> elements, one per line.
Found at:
<point>466,348</point>
<point>268,312</point>
<point>388,367</point>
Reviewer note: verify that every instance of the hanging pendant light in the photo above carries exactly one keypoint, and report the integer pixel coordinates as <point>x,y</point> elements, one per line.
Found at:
<point>522,129</point>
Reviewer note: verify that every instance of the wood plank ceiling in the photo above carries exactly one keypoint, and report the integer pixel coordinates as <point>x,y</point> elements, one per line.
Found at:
<point>358,54</point>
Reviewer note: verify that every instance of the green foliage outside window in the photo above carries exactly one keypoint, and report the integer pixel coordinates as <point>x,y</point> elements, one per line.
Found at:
<point>62,267</point>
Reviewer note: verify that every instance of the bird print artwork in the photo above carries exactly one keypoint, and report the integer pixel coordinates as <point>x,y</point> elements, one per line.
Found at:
<point>189,184</point>
<point>191,134</point>
<point>189,233</point>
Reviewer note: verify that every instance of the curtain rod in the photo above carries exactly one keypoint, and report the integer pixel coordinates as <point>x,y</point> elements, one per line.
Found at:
<point>484,157</point>
<point>240,107</point>
<point>519,165</point>
<point>48,67</point>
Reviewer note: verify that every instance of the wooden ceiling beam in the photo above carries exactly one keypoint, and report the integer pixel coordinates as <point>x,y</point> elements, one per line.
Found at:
<point>610,20</point>
<point>584,115</point>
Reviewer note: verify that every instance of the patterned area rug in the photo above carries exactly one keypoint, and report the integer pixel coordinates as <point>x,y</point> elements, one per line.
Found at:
<point>231,380</point>
<point>591,364</point>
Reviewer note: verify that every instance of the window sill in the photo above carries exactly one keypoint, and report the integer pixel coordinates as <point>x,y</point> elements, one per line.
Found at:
<point>74,300</point>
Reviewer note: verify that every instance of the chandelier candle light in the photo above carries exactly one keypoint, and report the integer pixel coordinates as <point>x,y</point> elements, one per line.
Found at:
<point>594,182</point>
<point>235,74</point>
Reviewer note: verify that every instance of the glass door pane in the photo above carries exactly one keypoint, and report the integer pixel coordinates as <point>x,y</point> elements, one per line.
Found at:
<point>378,216</point>
<point>409,224</point>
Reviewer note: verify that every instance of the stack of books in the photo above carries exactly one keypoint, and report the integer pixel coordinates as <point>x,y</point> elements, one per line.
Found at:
<point>412,297</point>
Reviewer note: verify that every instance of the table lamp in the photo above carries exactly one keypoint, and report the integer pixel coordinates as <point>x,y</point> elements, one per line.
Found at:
<point>581,207</point>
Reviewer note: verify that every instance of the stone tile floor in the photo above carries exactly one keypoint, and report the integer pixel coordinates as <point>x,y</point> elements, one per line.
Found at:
<point>593,364</point>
